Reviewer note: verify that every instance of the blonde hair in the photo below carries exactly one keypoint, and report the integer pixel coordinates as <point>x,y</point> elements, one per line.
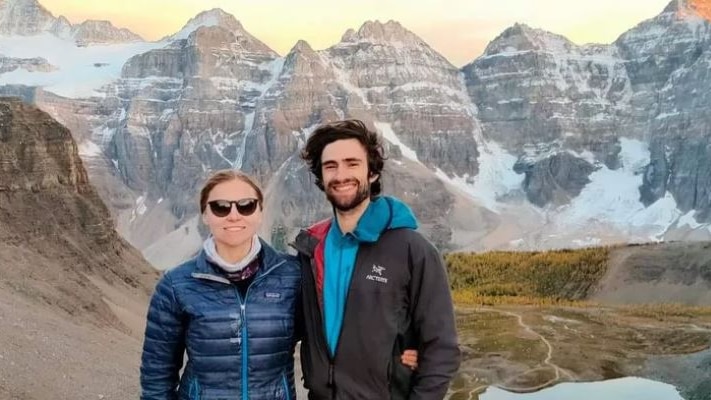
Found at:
<point>226,175</point>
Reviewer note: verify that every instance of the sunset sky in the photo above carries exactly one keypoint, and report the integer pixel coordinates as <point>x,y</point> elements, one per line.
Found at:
<point>458,30</point>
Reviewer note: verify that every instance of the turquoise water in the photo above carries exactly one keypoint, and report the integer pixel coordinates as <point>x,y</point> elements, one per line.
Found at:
<point>613,389</point>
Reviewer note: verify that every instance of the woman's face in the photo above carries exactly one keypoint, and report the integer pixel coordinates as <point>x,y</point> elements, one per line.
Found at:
<point>234,229</point>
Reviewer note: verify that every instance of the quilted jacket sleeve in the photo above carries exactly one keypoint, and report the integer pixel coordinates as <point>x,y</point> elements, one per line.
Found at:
<point>163,345</point>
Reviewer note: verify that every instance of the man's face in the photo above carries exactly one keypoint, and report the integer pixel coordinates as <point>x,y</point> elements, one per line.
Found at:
<point>344,167</point>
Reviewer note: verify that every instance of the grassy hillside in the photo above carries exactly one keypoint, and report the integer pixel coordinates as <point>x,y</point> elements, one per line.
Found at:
<point>560,276</point>
<point>654,273</point>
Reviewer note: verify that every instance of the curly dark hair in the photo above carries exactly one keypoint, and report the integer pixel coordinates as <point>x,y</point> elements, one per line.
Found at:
<point>340,130</point>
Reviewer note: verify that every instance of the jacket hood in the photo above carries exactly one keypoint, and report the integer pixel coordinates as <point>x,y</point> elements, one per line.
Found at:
<point>383,213</point>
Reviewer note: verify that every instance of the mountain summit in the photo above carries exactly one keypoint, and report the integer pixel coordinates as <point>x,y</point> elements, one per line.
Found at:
<point>214,17</point>
<point>378,32</point>
<point>29,18</point>
<point>26,18</point>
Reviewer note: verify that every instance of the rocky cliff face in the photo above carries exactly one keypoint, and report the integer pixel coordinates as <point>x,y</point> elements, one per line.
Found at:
<point>388,77</point>
<point>56,235</point>
<point>35,64</point>
<point>28,17</point>
<point>402,82</point>
<point>539,94</point>
<point>184,108</point>
<point>72,292</point>
<point>219,98</point>
<point>668,58</point>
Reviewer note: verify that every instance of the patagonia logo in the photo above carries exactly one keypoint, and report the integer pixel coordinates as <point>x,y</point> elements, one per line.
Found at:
<point>272,295</point>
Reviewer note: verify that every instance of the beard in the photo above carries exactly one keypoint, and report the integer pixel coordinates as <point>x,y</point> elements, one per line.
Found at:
<point>349,203</point>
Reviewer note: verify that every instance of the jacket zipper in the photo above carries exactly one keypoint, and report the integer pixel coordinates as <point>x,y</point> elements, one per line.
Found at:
<point>332,359</point>
<point>322,334</point>
<point>245,337</point>
<point>287,392</point>
<point>245,344</point>
<point>243,316</point>
<point>194,392</point>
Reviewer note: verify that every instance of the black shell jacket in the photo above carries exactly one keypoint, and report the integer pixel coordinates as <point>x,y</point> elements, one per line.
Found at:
<point>398,298</point>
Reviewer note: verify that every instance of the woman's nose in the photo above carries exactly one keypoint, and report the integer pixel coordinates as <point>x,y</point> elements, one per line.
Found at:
<point>234,214</point>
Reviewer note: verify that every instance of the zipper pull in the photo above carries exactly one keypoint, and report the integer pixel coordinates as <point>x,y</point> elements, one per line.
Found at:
<point>330,375</point>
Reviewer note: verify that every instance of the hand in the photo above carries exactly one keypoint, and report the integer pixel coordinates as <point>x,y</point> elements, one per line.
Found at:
<point>409,358</point>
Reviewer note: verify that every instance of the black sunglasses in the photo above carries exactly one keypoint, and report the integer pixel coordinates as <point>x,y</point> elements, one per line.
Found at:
<point>222,208</point>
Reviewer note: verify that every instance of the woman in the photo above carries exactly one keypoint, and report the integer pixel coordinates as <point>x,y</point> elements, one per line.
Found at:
<point>232,308</point>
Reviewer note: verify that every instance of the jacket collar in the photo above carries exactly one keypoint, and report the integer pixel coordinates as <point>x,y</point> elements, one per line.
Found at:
<point>383,213</point>
<point>270,260</point>
<point>307,239</point>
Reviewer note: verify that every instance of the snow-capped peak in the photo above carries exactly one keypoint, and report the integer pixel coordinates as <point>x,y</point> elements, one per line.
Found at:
<point>217,16</point>
<point>378,32</point>
<point>93,31</point>
<point>30,18</point>
<point>214,17</point>
<point>521,37</point>
<point>24,17</point>
<point>302,47</point>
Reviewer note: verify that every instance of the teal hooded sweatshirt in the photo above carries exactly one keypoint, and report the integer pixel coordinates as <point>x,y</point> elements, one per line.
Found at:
<point>383,213</point>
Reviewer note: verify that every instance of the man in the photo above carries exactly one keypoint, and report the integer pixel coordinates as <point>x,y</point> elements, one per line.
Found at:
<point>372,285</point>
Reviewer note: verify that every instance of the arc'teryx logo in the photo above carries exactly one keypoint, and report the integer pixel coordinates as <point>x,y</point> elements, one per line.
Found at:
<point>376,274</point>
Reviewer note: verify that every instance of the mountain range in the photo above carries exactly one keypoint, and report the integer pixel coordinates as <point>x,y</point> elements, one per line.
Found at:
<point>538,143</point>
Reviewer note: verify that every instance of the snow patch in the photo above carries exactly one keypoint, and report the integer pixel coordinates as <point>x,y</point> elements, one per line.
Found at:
<point>689,220</point>
<point>496,177</point>
<point>239,159</point>
<point>586,155</point>
<point>87,148</point>
<point>206,21</point>
<point>390,136</point>
<point>513,100</point>
<point>634,155</point>
<point>140,208</point>
<point>517,243</point>
<point>613,195</point>
<point>588,241</point>
<point>82,71</point>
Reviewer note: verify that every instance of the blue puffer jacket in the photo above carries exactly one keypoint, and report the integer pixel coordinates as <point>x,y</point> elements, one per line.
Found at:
<point>228,341</point>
